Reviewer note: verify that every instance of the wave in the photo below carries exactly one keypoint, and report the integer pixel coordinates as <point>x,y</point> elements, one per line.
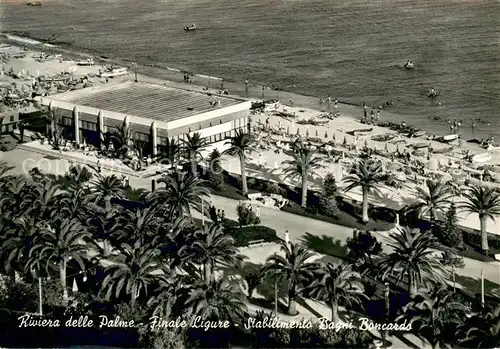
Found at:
<point>25,40</point>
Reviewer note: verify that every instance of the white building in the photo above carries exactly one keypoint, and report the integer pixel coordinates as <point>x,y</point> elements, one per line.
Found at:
<point>154,113</point>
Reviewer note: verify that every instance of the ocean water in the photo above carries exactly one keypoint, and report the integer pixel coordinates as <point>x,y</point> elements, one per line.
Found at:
<point>352,49</point>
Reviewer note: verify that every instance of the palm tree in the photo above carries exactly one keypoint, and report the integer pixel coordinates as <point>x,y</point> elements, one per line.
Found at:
<point>249,274</point>
<point>435,316</point>
<point>4,168</point>
<point>103,223</point>
<point>133,271</point>
<point>486,203</point>
<point>59,243</point>
<point>192,147</point>
<point>432,199</point>
<point>107,187</point>
<point>140,224</point>
<point>18,241</point>
<point>121,138</point>
<point>239,145</point>
<point>367,174</point>
<point>337,285</point>
<point>181,192</point>
<point>293,267</point>
<point>171,152</point>
<point>485,332</point>
<point>53,129</point>
<point>304,161</point>
<point>44,199</point>
<point>77,176</point>
<point>217,300</point>
<point>77,205</point>
<point>413,257</point>
<point>213,247</point>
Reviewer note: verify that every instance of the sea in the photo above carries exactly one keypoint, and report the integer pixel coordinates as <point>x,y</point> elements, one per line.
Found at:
<point>353,50</point>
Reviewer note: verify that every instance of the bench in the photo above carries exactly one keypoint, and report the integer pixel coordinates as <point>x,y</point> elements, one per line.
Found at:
<point>255,242</point>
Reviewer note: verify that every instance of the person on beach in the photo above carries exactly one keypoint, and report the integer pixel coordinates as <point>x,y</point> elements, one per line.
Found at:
<point>321,101</point>
<point>329,99</point>
<point>372,116</point>
<point>98,164</point>
<point>336,106</point>
<point>246,85</point>
<point>365,109</point>
<point>267,123</point>
<point>377,118</point>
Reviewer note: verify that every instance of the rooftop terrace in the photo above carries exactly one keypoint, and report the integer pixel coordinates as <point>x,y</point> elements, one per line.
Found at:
<point>145,100</point>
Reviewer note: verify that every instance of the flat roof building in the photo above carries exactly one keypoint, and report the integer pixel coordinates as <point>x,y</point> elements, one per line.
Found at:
<point>154,113</point>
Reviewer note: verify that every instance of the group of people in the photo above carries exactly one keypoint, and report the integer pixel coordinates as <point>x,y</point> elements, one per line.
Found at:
<point>373,117</point>
<point>336,112</point>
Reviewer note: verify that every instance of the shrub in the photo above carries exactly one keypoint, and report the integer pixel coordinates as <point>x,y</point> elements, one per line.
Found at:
<point>329,185</point>
<point>272,188</point>
<point>328,207</point>
<point>449,233</point>
<point>216,178</point>
<point>243,235</point>
<point>247,215</point>
<point>363,247</point>
<point>473,238</point>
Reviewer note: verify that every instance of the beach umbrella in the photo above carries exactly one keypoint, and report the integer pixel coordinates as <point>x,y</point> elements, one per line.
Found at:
<point>75,286</point>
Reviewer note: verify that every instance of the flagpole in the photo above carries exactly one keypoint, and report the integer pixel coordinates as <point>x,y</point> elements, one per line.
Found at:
<point>482,288</point>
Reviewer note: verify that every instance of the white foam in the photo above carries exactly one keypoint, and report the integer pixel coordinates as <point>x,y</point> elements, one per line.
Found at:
<point>26,40</point>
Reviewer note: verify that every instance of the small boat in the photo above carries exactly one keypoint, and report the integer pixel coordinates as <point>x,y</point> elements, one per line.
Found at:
<point>271,105</point>
<point>34,3</point>
<point>86,62</point>
<point>190,27</point>
<point>409,65</point>
<point>481,158</point>
<point>450,138</point>
<point>112,72</point>
<point>419,134</point>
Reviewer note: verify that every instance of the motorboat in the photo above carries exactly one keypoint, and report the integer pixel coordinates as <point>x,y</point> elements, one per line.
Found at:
<point>34,3</point>
<point>112,72</point>
<point>86,62</point>
<point>481,158</point>
<point>190,27</point>
<point>450,138</point>
<point>409,65</point>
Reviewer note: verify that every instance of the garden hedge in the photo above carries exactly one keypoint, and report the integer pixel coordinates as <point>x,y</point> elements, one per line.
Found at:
<point>244,235</point>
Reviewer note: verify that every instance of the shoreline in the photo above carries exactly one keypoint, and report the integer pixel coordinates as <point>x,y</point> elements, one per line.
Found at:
<point>160,75</point>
